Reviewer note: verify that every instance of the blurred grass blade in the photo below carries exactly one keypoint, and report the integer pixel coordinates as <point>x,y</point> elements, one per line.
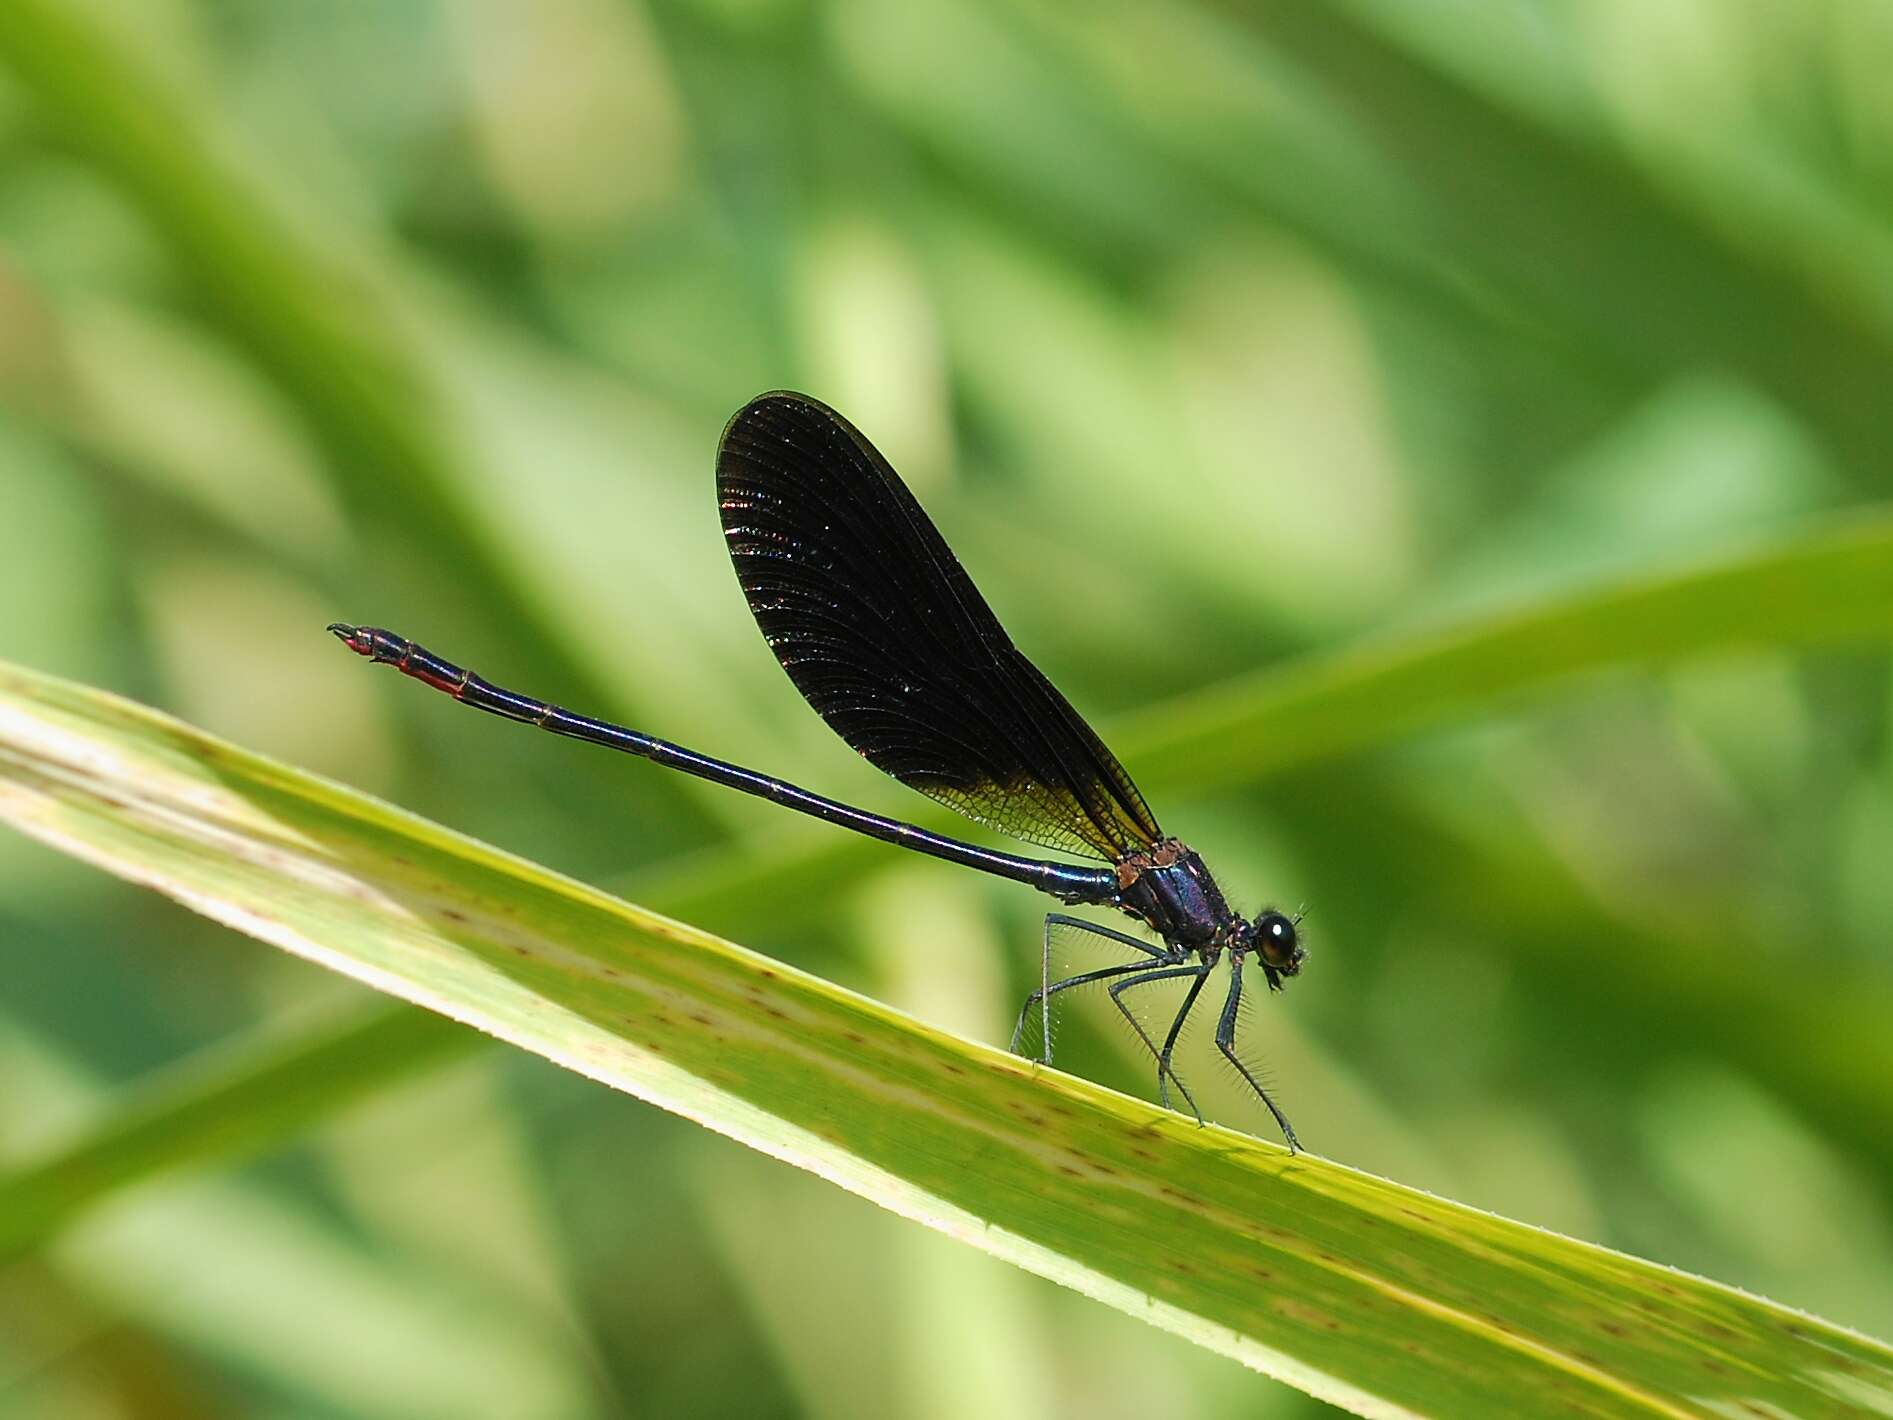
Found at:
<point>1366,1294</point>
<point>1829,586</point>
<point>235,1098</point>
<point>1589,237</point>
<point>304,298</point>
<point>308,316</point>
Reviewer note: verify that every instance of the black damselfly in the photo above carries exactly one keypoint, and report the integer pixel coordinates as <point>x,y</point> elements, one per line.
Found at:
<point>885,635</point>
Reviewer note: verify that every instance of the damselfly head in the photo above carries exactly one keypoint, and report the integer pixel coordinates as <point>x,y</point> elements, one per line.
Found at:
<point>1277,943</point>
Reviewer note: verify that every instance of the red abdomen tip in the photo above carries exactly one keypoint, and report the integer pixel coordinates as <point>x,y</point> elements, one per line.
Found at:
<point>358,639</point>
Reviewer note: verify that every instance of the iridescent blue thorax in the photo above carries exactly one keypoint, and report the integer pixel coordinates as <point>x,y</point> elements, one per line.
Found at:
<point>1171,890</point>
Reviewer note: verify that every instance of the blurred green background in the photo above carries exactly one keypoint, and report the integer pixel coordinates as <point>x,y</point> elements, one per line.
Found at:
<point>1210,336</point>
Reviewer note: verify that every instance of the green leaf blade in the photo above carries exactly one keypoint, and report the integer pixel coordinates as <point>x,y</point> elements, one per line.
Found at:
<point>1369,1295</point>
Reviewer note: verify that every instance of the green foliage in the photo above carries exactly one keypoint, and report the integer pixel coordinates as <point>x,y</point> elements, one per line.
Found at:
<point>1279,373</point>
<point>1831,586</point>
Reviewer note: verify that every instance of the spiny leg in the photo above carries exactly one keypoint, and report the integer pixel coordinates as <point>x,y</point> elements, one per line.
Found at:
<point>1166,974</point>
<point>1039,997</point>
<point>1176,1029</point>
<point>1226,1042</point>
<point>1048,988</point>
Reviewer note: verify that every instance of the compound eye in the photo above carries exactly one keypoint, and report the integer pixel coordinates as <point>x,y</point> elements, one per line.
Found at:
<point>1276,943</point>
